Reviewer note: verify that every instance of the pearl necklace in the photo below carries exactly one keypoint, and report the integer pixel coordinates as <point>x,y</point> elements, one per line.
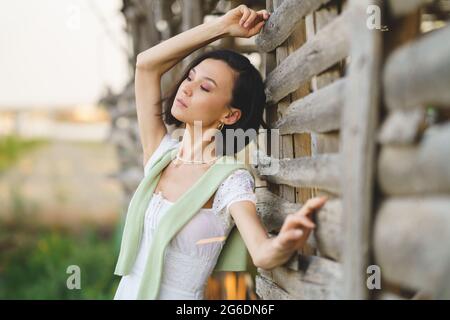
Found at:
<point>193,161</point>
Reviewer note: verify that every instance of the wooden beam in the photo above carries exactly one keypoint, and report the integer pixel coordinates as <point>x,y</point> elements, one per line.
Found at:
<point>407,170</point>
<point>267,290</point>
<point>318,112</point>
<point>287,143</point>
<point>327,142</point>
<point>317,171</point>
<point>307,278</point>
<point>428,83</point>
<point>283,21</point>
<point>328,233</point>
<point>359,123</point>
<point>301,141</point>
<point>411,241</point>
<point>402,127</point>
<point>330,45</point>
<point>327,236</point>
<point>273,209</point>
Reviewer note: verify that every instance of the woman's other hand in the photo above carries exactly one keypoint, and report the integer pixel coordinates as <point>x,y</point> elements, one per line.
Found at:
<point>244,22</point>
<point>297,226</point>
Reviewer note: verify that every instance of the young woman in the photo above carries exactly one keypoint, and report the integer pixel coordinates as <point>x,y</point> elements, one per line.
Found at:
<point>219,90</point>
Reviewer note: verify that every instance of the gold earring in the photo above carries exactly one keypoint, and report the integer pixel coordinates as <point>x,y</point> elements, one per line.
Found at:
<point>220,126</point>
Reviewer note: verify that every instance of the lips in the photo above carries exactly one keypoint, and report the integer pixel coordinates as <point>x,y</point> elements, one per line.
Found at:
<point>182,103</point>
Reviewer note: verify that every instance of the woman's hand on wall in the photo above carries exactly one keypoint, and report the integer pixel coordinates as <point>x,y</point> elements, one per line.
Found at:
<point>244,22</point>
<point>297,226</point>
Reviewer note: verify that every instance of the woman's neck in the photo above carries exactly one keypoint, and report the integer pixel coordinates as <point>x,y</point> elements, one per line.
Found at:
<point>197,145</point>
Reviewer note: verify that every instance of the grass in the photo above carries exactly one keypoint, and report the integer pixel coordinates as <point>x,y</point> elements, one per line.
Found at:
<point>34,262</point>
<point>13,146</point>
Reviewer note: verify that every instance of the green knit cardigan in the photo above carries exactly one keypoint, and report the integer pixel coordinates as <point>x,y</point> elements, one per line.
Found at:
<point>234,255</point>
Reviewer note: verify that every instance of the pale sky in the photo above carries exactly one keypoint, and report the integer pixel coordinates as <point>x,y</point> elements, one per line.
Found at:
<point>57,52</point>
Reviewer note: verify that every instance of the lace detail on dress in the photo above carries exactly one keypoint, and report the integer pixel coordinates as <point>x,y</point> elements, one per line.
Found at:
<point>187,272</point>
<point>239,186</point>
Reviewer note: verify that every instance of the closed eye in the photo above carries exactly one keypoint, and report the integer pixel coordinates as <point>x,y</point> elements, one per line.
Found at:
<point>204,89</point>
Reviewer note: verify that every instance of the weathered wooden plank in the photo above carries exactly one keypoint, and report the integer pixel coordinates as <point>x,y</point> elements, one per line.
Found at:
<point>411,240</point>
<point>360,118</point>
<point>402,7</point>
<point>325,142</point>
<point>328,233</point>
<point>406,170</point>
<point>428,82</point>
<point>273,209</point>
<point>287,143</point>
<point>402,127</point>
<point>317,171</point>
<point>267,290</point>
<point>283,21</point>
<point>323,17</point>
<point>308,277</point>
<point>319,112</point>
<point>301,141</point>
<point>330,45</point>
<point>327,236</point>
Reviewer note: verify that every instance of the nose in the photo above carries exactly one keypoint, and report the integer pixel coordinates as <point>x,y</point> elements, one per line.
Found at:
<point>187,90</point>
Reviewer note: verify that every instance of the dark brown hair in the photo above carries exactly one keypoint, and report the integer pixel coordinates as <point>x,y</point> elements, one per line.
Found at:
<point>248,93</point>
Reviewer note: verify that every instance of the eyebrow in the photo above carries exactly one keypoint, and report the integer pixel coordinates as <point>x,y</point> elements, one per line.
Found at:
<point>193,69</point>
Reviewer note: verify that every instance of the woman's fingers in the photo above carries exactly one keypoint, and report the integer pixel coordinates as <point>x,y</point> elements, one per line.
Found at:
<point>260,25</point>
<point>289,238</point>
<point>296,221</point>
<point>250,19</point>
<point>245,14</point>
<point>311,205</point>
<point>263,14</point>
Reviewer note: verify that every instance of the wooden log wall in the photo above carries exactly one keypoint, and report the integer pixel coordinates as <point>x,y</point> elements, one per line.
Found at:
<point>414,155</point>
<point>373,148</point>
<point>305,93</point>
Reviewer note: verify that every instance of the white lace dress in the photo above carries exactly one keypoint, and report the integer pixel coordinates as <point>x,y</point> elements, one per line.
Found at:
<point>188,263</point>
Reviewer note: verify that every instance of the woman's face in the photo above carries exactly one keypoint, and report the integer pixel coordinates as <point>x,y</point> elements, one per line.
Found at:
<point>207,93</point>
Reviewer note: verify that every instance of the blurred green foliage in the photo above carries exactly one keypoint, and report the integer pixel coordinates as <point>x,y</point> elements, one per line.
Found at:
<point>34,262</point>
<point>12,146</point>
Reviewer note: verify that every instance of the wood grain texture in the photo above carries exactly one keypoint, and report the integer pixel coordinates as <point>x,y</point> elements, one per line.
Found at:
<point>330,45</point>
<point>422,169</point>
<point>283,21</point>
<point>327,236</point>
<point>428,82</point>
<point>411,240</point>
<point>307,278</point>
<point>360,120</point>
<point>318,112</point>
<point>318,171</point>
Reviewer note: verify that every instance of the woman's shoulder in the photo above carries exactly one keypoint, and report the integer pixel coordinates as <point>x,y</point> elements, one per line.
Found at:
<point>167,142</point>
<point>238,186</point>
<point>239,179</point>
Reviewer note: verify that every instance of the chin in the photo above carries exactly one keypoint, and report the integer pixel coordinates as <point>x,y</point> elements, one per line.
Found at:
<point>177,114</point>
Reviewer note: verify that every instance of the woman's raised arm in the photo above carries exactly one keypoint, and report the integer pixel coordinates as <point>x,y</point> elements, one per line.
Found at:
<point>152,63</point>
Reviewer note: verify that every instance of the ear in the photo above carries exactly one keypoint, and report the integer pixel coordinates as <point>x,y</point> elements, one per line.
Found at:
<point>233,116</point>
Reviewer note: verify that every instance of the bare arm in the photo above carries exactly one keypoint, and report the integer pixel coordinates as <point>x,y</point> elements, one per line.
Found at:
<point>150,66</point>
<point>268,253</point>
<point>152,63</point>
